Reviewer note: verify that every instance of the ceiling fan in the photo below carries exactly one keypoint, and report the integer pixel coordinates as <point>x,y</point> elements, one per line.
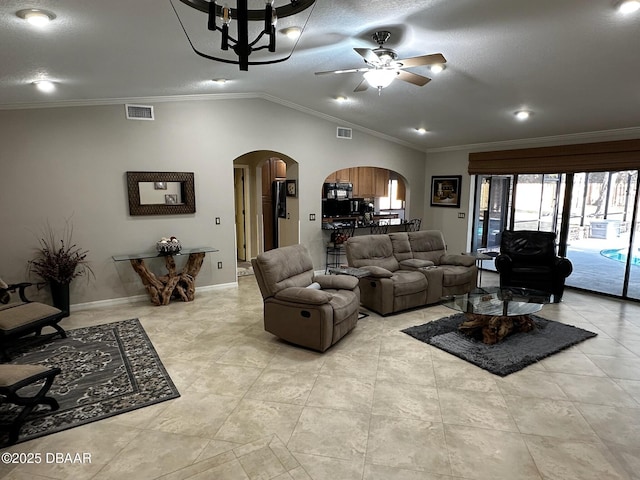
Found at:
<point>383,67</point>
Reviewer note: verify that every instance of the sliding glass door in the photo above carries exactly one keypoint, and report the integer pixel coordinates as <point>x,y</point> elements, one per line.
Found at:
<point>491,212</point>
<point>600,228</point>
<point>633,283</point>
<point>537,202</point>
<point>600,219</point>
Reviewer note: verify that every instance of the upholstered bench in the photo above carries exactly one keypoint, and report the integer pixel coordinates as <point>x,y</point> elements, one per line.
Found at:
<point>23,318</point>
<point>13,378</point>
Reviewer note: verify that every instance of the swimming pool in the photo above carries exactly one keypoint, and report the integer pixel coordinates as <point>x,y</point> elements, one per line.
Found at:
<point>620,255</point>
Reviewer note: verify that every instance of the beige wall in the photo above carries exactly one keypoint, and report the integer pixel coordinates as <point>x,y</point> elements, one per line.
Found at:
<point>446,219</point>
<point>71,162</point>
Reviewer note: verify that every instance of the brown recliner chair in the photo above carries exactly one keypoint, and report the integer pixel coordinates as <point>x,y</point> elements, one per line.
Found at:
<point>313,311</point>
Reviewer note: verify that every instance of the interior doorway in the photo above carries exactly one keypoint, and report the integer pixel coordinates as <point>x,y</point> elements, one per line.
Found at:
<point>260,214</point>
<point>240,190</point>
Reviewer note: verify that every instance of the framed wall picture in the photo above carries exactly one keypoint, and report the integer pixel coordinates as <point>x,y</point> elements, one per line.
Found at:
<point>292,188</point>
<point>445,191</point>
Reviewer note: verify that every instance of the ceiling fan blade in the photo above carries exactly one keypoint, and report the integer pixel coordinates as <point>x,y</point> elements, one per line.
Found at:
<point>362,86</point>
<point>368,55</point>
<point>413,78</point>
<point>351,70</point>
<point>423,60</point>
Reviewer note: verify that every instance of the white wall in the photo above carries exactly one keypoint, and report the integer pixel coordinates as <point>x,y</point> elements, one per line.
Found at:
<point>71,162</point>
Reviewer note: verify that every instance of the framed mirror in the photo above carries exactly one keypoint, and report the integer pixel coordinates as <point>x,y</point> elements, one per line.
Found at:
<point>161,193</point>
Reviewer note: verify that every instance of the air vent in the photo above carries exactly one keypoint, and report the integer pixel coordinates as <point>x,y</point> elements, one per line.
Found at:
<point>343,132</point>
<point>139,112</point>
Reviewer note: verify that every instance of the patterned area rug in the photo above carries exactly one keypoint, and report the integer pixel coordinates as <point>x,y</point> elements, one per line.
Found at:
<point>106,370</point>
<point>512,354</point>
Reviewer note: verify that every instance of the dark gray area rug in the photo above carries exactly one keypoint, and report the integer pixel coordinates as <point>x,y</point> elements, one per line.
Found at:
<point>512,354</point>
<point>106,370</point>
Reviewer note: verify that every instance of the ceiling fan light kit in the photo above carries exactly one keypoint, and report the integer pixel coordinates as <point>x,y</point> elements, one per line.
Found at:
<point>220,18</point>
<point>380,78</point>
<point>383,65</point>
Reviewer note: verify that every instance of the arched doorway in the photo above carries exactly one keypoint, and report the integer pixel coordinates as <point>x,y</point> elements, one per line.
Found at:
<point>266,216</point>
<point>369,190</point>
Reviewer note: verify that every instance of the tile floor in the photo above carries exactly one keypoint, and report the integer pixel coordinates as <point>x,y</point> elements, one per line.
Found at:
<point>379,405</point>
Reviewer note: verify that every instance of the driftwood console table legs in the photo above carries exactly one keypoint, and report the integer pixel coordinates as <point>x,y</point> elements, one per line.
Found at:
<point>178,284</point>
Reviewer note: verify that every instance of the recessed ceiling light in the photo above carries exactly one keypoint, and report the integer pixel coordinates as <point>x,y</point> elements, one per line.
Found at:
<point>46,86</point>
<point>35,16</point>
<point>292,32</point>
<point>522,114</point>
<point>629,6</point>
<point>219,81</point>
<point>421,130</point>
<point>341,99</point>
<point>436,68</point>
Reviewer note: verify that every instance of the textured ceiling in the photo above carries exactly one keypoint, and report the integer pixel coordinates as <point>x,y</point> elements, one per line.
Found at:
<point>574,63</point>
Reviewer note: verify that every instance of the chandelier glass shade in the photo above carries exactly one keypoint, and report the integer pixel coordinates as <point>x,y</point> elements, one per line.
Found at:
<point>242,31</point>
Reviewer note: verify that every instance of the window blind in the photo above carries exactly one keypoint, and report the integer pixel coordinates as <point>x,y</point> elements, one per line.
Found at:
<point>584,157</point>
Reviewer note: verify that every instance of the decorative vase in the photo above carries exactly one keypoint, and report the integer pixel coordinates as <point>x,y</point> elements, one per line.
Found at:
<point>60,296</point>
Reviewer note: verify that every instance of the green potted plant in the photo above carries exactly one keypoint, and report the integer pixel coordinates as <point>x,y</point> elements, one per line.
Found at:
<point>58,261</point>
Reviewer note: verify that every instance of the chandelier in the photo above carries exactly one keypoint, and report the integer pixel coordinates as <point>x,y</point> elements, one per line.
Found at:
<point>236,27</point>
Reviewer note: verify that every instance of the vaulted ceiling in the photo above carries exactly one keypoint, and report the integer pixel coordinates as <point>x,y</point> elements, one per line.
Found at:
<point>573,63</point>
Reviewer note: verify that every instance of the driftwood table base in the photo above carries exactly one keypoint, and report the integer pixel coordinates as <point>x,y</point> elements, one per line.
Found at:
<point>173,284</point>
<point>493,329</point>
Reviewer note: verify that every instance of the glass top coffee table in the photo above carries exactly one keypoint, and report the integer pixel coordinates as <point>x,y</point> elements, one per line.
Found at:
<point>496,301</point>
<point>493,313</point>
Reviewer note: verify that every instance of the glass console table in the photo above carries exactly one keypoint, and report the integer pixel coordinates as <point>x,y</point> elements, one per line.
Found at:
<point>173,284</point>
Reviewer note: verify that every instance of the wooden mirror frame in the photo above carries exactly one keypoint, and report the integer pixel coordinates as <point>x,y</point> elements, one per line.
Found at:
<point>188,193</point>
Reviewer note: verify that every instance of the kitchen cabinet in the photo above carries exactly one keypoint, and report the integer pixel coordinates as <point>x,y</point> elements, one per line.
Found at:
<point>342,176</point>
<point>381,182</point>
<point>367,182</point>
<point>401,193</point>
<point>372,182</point>
<point>280,168</point>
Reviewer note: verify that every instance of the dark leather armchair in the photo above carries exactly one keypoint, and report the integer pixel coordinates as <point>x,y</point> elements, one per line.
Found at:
<point>528,259</point>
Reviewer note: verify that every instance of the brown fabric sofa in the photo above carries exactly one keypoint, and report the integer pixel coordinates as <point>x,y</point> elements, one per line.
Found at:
<point>408,270</point>
<point>314,311</point>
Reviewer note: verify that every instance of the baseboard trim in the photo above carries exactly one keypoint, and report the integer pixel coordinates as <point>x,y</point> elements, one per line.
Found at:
<point>134,299</point>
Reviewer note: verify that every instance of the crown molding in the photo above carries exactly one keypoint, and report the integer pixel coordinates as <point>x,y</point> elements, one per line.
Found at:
<point>212,97</point>
<point>583,137</point>
<point>339,122</point>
